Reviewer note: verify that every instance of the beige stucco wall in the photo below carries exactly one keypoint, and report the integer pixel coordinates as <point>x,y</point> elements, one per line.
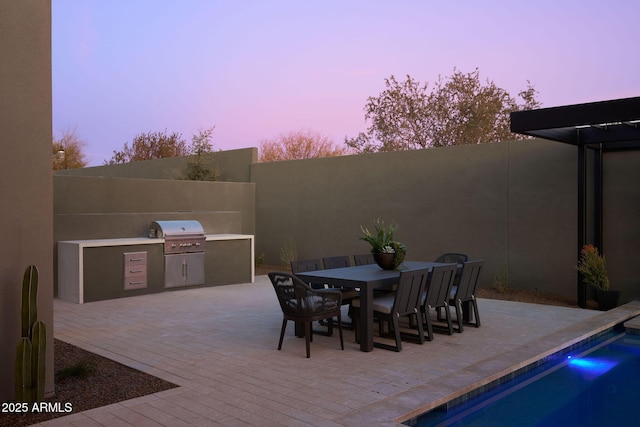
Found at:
<point>26,220</point>
<point>233,165</point>
<point>511,204</point>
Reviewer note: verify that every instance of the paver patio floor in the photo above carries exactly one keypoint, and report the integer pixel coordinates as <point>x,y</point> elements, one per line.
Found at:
<point>219,345</point>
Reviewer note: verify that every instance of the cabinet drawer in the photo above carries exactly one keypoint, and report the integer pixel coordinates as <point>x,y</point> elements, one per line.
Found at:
<point>135,282</point>
<point>135,258</point>
<point>135,270</point>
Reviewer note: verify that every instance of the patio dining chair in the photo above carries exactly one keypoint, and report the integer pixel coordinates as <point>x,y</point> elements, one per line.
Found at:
<point>454,257</point>
<point>436,296</point>
<point>347,294</point>
<point>336,261</point>
<point>307,265</point>
<point>465,292</point>
<point>363,259</point>
<point>405,301</point>
<point>313,265</point>
<point>301,303</point>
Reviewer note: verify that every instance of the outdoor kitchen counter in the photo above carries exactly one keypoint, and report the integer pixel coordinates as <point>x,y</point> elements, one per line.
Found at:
<point>92,270</point>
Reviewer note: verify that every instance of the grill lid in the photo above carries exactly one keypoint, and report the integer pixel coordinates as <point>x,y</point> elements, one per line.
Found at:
<point>177,228</point>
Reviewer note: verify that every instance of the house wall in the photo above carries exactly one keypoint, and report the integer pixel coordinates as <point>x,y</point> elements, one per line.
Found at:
<point>512,204</point>
<point>621,218</point>
<point>26,220</point>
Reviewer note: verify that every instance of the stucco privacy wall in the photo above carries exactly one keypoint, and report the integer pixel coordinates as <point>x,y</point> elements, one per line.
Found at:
<point>511,204</point>
<point>25,177</point>
<point>233,165</point>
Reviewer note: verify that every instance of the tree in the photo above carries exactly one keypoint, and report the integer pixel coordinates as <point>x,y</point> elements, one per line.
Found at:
<point>300,144</point>
<point>459,110</point>
<point>68,151</point>
<point>200,166</point>
<point>151,145</point>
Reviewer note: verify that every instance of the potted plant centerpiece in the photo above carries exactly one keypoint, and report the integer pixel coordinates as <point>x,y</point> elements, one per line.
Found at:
<point>593,268</point>
<point>387,252</point>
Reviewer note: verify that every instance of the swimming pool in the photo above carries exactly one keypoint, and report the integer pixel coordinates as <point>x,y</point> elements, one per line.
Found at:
<point>592,385</point>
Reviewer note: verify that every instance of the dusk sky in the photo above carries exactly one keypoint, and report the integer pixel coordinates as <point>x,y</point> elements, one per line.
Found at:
<point>256,69</point>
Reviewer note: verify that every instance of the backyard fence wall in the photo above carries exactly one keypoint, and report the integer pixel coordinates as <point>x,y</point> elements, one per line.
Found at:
<point>512,204</point>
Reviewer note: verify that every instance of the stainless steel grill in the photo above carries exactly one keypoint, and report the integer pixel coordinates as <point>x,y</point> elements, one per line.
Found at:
<point>184,245</point>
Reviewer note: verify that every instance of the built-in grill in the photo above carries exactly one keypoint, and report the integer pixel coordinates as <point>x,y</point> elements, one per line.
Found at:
<point>184,245</point>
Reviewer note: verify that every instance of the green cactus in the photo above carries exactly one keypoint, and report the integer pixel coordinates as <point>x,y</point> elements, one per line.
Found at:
<point>23,371</point>
<point>31,349</point>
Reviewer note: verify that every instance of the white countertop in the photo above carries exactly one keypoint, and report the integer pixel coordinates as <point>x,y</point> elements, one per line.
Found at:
<point>128,241</point>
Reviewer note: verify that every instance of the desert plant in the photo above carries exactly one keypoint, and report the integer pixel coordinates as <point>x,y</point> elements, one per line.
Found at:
<point>31,349</point>
<point>502,281</point>
<point>382,241</point>
<point>288,252</point>
<point>593,268</point>
<point>81,369</point>
<point>382,238</point>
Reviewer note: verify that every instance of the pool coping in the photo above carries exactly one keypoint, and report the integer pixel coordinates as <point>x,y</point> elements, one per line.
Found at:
<point>425,397</point>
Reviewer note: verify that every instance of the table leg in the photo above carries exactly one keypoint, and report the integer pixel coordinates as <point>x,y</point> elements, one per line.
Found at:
<point>366,318</point>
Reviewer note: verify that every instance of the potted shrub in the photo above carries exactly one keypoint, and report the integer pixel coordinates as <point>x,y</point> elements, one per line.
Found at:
<point>593,267</point>
<point>387,252</point>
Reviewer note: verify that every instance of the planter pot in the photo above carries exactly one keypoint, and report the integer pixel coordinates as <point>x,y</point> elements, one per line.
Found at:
<point>607,299</point>
<point>385,261</point>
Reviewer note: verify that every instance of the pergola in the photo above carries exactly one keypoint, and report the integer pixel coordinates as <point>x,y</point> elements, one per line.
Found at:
<point>595,128</point>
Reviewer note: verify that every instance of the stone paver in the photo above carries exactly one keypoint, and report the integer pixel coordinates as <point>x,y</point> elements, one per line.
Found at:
<point>219,344</point>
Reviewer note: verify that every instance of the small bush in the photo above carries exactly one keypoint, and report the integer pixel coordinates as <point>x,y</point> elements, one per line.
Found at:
<point>502,281</point>
<point>80,370</point>
<point>288,252</point>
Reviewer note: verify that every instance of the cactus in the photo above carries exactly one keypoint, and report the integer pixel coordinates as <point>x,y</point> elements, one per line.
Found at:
<point>31,349</point>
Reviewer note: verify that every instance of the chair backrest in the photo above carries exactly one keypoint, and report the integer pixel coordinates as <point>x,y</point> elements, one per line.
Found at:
<point>439,284</point>
<point>364,259</point>
<point>409,293</point>
<point>307,265</point>
<point>453,257</point>
<point>285,286</point>
<point>296,298</point>
<point>336,262</point>
<point>469,280</point>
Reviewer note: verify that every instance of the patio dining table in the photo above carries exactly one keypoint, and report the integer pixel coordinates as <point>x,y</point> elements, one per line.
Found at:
<point>366,278</point>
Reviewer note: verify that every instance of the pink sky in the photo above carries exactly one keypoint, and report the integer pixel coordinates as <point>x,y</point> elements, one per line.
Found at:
<point>255,69</point>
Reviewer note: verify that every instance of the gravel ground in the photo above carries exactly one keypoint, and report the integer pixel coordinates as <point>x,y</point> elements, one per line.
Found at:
<point>108,382</point>
<point>112,382</point>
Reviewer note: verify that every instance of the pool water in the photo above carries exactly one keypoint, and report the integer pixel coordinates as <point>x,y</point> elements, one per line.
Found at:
<point>598,385</point>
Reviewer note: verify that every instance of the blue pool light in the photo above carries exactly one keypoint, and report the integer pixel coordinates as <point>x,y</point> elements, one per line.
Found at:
<point>593,367</point>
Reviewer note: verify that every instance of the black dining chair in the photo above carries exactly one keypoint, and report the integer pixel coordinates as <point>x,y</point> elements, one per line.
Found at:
<point>336,261</point>
<point>451,258</point>
<point>315,264</point>
<point>301,303</point>
<point>465,292</point>
<point>436,296</point>
<point>363,259</point>
<point>404,302</point>
<point>348,295</point>
<point>307,265</point>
